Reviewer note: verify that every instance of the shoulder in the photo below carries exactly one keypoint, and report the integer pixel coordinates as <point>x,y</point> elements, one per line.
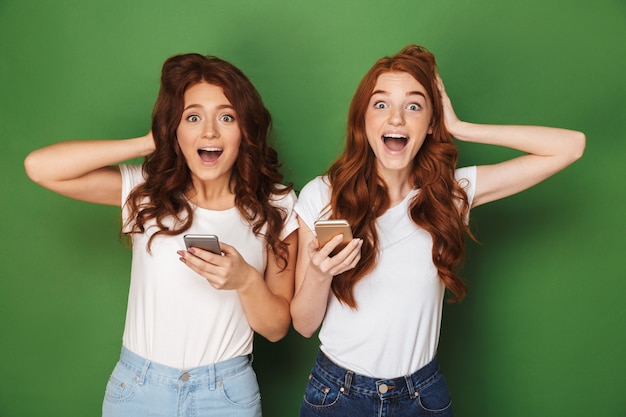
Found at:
<point>132,173</point>
<point>317,187</point>
<point>132,176</point>
<point>285,199</point>
<point>313,200</point>
<point>466,178</point>
<point>465,173</point>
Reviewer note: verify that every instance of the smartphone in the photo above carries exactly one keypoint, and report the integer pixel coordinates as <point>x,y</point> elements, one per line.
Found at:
<point>206,242</point>
<point>327,229</point>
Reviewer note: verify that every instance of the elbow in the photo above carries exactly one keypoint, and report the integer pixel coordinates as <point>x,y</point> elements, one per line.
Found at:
<point>578,146</point>
<point>275,337</point>
<point>305,331</point>
<point>30,168</point>
<point>276,332</point>
<point>34,167</point>
<point>306,334</point>
<point>300,325</point>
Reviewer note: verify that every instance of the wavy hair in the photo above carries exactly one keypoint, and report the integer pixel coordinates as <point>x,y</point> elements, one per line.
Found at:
<point>255,174</point>
<point>359,194</point>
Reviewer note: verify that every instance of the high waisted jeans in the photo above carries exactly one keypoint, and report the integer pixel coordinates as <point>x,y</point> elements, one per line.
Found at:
<point>139,387</point>
<point>333,391</point>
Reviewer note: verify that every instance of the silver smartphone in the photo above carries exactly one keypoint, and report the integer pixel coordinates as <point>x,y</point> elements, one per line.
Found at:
<point>207,242</point>
<point>327,229</point>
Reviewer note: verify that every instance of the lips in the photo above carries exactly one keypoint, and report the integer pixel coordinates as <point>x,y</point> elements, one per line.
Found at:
<point>210,154</point>
<point>395,141</point>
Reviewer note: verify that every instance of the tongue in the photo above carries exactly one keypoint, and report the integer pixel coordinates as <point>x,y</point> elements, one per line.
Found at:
<point>395,144</point>
<point>209,156</point>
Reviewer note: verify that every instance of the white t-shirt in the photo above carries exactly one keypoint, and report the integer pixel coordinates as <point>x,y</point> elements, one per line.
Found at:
<point>174,316</point>
<point>395,329</point>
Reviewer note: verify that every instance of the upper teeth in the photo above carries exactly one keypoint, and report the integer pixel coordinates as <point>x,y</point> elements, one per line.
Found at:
<point>395,135</point>
<point>210,149</point>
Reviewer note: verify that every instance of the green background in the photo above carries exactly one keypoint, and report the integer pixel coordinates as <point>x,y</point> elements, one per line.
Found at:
<point>542,332</point>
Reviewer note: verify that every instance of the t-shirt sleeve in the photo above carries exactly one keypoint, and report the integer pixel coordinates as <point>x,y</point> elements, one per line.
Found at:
<point>132,175</point>
<point>466,177</point>
<point>287,202</point>
<point>312,202</point>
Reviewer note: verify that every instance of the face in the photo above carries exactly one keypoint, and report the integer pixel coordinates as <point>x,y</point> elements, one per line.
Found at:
<point>208,133</point>
<point>397,120</point>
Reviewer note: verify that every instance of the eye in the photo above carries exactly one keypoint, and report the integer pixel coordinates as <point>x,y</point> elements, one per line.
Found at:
<point>380,105</point>
<point>193,118</point>
<point>414,106</point>
<point>227,118</point>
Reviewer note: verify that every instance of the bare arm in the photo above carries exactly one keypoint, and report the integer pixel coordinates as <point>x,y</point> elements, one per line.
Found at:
<point>85,169</point>
<point>548,151</point>
<point>314,274</point>
<point>265,300</point>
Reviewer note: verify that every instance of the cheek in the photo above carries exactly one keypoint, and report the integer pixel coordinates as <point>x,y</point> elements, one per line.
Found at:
<point>370,128</point>
<point>183,137</point>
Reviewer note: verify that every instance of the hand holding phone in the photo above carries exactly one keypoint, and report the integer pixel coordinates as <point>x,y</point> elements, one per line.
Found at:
<point>207,242</point>
<point>328,229</point>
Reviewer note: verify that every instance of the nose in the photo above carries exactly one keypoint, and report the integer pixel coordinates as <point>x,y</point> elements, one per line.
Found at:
<point>396,117</point>
<point>209,130</point>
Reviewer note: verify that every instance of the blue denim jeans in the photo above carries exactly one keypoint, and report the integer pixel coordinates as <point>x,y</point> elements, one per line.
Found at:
<point>138,387</point>
<point>334,391</point>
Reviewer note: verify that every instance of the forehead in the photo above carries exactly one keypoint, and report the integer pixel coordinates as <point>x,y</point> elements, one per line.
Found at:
<point>398,82</point>
<point>203,91</point>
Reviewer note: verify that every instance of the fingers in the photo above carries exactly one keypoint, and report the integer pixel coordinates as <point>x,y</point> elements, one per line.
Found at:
<point>226,271</point>
<point>327,249</point>
<point>205,263</point>
<point>347,258</point>
<point>440,83</point>
<point>344,260</point>
<point>198,259</point>
<point>442,89</point>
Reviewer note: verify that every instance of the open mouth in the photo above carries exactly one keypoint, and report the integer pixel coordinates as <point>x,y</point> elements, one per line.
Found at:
<point>395,142</point>
<point>210,154</point>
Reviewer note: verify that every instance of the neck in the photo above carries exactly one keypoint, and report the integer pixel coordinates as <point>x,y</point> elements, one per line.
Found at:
<point>212,195</point>
<point>398,185</point>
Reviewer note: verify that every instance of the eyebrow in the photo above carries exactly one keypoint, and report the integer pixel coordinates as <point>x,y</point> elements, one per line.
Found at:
<point>219,107</point>
<point>408,94</point>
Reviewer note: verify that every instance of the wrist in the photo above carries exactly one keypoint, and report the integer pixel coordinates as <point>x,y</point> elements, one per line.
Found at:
<point>147,145</point>
<point>459,129</point>
<point>252,277</point>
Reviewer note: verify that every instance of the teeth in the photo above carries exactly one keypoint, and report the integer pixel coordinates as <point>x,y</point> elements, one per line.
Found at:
<point>394,136</point>
<point>211,149</point>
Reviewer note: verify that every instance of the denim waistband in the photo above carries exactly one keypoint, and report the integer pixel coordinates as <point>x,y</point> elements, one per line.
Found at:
<point>158,373</point>
<point>381,387</point>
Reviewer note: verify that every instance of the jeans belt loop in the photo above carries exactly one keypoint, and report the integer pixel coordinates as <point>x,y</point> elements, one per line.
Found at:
<point>347,382</point>
<point>409,384</point>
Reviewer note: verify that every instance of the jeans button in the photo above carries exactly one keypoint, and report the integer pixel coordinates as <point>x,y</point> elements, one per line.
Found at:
<point>383,388</point>
<point>185,377</point>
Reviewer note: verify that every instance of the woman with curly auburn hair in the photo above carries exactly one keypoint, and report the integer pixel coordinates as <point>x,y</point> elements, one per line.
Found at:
<point>208,169</point>
<point>379,299</point>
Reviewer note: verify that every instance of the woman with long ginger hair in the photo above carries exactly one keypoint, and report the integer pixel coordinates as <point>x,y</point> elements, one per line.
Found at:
<point>208,169</point>
<point>379,299</point>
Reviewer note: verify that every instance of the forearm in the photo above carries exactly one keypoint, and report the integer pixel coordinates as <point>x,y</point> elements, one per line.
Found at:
<point>73,159</point>
<point>267,313</point>
<point>548,151</point>
<point>536,140</point>
<point>309,304</point>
